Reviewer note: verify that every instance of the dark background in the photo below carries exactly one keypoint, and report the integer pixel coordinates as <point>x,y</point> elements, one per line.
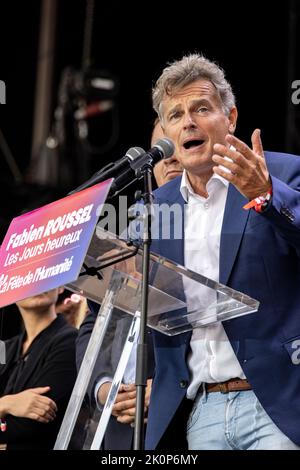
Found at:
<point>256,42</point>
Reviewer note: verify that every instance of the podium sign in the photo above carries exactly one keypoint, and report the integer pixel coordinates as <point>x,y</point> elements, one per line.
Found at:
<point>45,248</point>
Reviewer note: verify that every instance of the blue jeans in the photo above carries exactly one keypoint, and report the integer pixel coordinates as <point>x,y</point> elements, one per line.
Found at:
<point>233,421</point>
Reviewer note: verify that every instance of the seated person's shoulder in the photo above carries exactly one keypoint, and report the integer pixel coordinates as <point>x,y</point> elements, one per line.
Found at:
<point>64,335</point>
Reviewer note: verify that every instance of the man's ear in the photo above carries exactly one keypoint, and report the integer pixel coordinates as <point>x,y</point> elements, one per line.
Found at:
<point>233,115</point>
<point>231,128</point>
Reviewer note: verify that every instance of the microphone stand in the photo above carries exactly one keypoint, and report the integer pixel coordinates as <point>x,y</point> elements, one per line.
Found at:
<point>142,350</point>
<point>145,172</point>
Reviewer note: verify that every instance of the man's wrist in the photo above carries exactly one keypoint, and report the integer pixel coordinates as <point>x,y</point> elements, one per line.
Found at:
<point>102,392</point>
<point>261,202</point>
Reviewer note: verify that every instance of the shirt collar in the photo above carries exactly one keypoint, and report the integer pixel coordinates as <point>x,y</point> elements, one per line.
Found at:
<point>187,190</point>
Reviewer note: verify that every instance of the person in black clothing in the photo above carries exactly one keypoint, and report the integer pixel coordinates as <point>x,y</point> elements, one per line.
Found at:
<point>37,380</point>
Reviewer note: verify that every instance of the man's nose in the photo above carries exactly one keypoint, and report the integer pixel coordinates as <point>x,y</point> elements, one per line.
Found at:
<point>189,122</point>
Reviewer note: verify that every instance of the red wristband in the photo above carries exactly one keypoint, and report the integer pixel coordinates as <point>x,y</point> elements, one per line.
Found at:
<point>260,203</point>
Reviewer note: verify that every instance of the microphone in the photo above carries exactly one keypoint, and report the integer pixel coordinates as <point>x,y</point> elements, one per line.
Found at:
<point>126,170</point>
<point>112,169</point>
<point>164,148</point>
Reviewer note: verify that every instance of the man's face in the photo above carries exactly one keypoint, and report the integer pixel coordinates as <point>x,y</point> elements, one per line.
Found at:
<point>194,119</point>
<point>40,301</point>
<point>167,169</point>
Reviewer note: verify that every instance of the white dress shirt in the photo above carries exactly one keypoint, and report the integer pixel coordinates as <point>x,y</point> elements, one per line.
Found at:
<point>211,358</point>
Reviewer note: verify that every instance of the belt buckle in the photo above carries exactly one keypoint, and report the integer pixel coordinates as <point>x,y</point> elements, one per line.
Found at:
<point>223,387</point>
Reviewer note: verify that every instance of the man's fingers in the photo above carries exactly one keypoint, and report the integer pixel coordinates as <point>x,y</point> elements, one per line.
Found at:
<point>126,419</point>
<point>124,405</point>
<point>257,143</point>
<point>128,411</point>
<point>226,163</point>
<point>247,152</point>
<point>225,174</point>
<point>240,147</point>
<point>230,156</point>
<point>131,411</point>
<point>125,396</point>
<point>127,388</point>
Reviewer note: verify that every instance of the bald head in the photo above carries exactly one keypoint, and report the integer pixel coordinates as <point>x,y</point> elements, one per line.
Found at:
<point>167,169</point>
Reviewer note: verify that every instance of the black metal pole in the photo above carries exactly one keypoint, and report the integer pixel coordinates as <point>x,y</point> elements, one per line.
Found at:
<point>142,351</point>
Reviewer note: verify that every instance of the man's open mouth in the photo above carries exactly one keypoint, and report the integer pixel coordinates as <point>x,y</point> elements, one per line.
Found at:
<point>193,143</point>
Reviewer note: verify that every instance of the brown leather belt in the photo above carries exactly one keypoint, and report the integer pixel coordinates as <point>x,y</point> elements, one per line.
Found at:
<point>231,385</point>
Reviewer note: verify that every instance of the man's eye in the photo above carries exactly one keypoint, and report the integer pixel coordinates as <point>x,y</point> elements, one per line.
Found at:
<point>174,116</point>
<point>202,109</point>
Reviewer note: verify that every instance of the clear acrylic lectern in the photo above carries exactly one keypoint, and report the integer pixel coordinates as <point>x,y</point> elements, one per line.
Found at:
<point>179,301</point>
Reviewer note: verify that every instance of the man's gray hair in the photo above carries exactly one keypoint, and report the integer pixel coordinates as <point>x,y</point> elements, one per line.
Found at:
<point>187,70</point>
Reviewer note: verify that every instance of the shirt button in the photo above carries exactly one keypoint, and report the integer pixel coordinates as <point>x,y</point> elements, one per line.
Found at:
<point>206,205</point>
<point>183,383</point>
